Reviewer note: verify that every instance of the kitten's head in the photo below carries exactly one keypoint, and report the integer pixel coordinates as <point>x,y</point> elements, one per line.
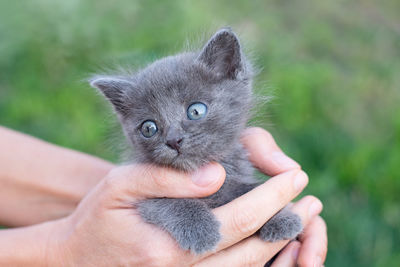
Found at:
<point>185,110</point>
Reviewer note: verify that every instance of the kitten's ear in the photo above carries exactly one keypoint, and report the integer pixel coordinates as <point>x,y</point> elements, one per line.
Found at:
<point>116,90</point>
<point>222,54</point>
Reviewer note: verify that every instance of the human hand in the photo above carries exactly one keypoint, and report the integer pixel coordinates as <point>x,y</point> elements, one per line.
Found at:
<point>309,250</point>
<point>106,229</point>
<point>311,247</point>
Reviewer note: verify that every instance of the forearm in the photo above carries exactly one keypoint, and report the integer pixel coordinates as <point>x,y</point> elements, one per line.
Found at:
<point>40,181</point>
<point>30,246</point>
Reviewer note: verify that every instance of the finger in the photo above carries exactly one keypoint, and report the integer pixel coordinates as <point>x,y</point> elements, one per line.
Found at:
<point>249,252</point>
<point>307,208</point>
<point>314,244</point>
<point>149,181</point>
<point>288,256</point>
<point>245,215</point>
<point>253,251</point>
<point>265,154</point>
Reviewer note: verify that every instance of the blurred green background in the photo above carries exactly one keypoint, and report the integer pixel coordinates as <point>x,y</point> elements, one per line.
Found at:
<point>333,68</point>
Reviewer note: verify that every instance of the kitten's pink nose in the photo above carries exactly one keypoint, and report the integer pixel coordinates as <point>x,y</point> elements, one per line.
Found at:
<point>175,143</point>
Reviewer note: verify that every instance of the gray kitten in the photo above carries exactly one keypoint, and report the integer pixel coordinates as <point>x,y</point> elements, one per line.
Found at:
<point>184,111</point>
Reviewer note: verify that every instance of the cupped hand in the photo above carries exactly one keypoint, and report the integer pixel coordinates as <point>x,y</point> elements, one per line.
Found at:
<point>309,250</point>
<point>106,230</point>
<point>311,247</point>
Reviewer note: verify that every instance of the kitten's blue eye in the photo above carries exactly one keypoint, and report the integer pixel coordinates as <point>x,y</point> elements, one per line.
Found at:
<point>196,111</point>
<point>149,128</point>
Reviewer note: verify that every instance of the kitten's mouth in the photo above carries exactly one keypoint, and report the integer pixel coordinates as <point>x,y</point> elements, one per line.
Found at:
<point>177,150</point>
<point>181,159</point>
<point>173,156</point>
<point>178,159</point>
<point>178,154</point>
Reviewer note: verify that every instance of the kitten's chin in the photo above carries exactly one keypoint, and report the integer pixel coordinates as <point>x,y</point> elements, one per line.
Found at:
<point>183,163</point>
<point>180,162</point>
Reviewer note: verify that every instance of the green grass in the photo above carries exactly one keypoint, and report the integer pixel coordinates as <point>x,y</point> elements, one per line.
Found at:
<point>332,66</point>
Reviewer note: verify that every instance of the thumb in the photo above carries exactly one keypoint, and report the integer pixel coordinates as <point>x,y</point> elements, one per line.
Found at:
<point>149,181</point>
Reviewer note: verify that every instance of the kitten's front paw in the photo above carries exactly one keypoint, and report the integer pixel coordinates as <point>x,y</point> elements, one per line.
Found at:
<point>189,221</point>
<point>198,236</point>
<point>282,226</point>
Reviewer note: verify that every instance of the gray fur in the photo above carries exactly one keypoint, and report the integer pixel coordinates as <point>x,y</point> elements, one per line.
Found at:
<point>284,225</point>
<point>189,221</point>
<point>219,76</point>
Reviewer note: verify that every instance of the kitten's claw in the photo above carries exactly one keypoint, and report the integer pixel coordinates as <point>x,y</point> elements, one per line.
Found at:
<point>284,225</point>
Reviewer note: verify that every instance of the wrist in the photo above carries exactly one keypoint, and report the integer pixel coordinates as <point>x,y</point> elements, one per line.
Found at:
<point>56,248</point>
<point>49,180</point>
<point>36,245</point>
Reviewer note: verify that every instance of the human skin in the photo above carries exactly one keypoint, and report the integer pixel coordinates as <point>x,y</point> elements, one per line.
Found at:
<point>40,181</point>
<point>99,232</point>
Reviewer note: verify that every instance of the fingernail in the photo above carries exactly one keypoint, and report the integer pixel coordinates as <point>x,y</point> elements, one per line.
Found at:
<point>315,208</point>
<point>206,175</point>
<point>295,253</point>
<point>300,181</point>
<point>317,261</point>
<point>284,161</point>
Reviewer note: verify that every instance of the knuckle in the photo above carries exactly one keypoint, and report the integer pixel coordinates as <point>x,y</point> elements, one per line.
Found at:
<point>159,258</point>
<point>310,198</point>
<point>268,136</point>
<point>166,260</point>
<point>109,183</point>
<point>322,222</point>
<point>244,221</point>
<point>324,236</point>
<point>151,179</point>
<point>123,179</point>
<point>112,192</point>
<point>264,134</point>
<point>116,176</point>
<point>257,131</point>
<point>303,262</point>
<point>120,172</point>
<point>113,174</point>
<point>160,178</point>
<point>252,258</point>
<point>323,253</point>
<point>282,193</point>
